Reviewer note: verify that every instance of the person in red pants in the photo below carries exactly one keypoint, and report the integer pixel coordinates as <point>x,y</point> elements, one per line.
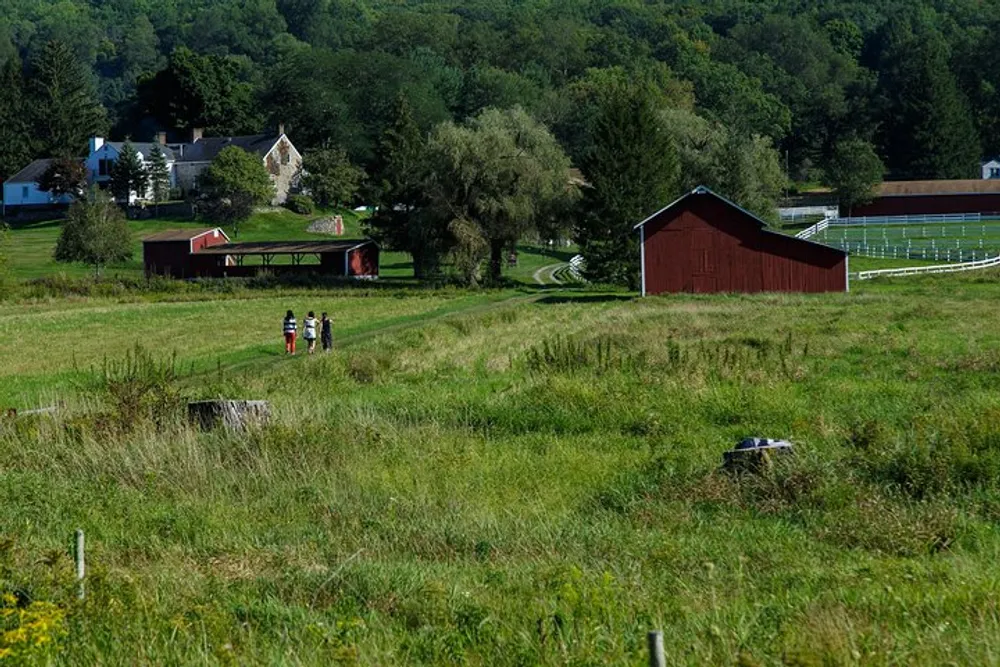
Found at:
<point>289,328</point>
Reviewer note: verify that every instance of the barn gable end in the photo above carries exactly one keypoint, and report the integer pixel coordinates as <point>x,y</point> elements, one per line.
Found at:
<point>704,243</point>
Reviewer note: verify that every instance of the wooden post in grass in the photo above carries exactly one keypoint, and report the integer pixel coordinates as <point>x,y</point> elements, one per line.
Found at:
<point>656,655</point>
<point>81,567</point>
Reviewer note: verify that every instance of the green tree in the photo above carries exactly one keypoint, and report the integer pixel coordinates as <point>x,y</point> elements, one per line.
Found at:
<point>397,189</point>
<point>128,175</point>
<point>330,177</point>
<point>211,92</point>
<point>491,179</point>
<point>232,186</point>
<point>854,171</point>
<point>64,176</point>
<point>65,106</point>
<point>159,177</point>
<point>95,233</point>
<point>15,126</point>
<point>633,171</point>
<point>927,130</point>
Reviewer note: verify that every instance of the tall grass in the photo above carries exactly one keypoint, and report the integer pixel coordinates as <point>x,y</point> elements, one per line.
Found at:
<point>536,485</point>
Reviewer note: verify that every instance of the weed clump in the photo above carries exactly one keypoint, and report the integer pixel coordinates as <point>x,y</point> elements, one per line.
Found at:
<point>567,355</point>
<point>140,389</point>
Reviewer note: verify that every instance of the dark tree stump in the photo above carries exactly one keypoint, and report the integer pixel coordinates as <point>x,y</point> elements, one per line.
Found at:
<point>232,415</point>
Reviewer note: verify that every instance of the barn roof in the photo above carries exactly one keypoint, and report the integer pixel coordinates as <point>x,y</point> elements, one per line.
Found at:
<point>972,186</point>
<point>180,234</point>
<point>284,247</point>
<point>701,190</point>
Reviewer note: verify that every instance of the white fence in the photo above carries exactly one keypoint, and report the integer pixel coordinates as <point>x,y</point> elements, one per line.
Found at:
<point>814,230</point>
<point>882,220</point>
<point>936,268</point>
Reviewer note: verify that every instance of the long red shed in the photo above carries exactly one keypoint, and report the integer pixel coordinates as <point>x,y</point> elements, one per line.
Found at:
<point>931,197</point>
<point>705,243</point>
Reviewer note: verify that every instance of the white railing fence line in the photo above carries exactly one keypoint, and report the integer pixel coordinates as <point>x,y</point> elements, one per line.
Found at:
<point>936,268</point>
<point>576,267</point>
<point>809,232</point>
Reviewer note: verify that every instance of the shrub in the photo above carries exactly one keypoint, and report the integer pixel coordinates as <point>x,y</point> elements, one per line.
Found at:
<point>140,389</point>
<point>301,204</point>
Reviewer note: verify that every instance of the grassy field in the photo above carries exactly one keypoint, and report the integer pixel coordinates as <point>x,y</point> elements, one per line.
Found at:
<point>510,478</point>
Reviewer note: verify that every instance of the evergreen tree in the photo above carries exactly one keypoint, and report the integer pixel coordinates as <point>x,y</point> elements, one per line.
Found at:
<point>398,192</point>
<point>927,130</point>
<point>128,175</point>
<point>15,129</point>
<point>65,106</point>
<point>95,232</point>
<point>633,171</point>
<point>159,177</point>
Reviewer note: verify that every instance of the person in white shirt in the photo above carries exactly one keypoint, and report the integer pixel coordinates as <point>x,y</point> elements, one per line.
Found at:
<point>309,330</point>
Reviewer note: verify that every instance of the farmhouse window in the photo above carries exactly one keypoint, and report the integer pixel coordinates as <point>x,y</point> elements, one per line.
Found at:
<point>103,167</point>
<point>994,172</point>
<point>24,192</point>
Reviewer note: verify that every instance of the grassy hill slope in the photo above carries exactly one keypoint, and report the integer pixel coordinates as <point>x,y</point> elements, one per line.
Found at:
<point>524,481</point>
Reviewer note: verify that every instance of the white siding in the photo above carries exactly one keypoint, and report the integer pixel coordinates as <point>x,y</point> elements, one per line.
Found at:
<point>28,194</point>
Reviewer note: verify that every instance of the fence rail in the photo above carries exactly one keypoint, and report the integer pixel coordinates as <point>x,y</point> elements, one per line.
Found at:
<point>882,220</point>
<point>809,232</point>
<point>936,268</point>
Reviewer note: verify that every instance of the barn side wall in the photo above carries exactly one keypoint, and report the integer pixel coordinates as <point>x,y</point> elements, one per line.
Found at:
<point>167,258</point>
<point>705,246</point>
<point>928,205</point>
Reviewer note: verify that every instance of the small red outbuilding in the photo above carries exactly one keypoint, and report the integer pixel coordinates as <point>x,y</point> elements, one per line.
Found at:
<point>705,243</point>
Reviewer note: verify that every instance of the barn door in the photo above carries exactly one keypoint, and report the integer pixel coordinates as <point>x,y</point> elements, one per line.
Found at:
<point>704,275</point>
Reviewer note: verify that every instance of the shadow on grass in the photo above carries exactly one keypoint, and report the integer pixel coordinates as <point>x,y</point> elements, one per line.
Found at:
<point>585,298</point>
<point>556,254</point>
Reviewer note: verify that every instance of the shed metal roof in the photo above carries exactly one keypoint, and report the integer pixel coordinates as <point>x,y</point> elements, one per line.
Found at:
<point>284,247</point>
<point>971,186</point>
<point>178,234</point>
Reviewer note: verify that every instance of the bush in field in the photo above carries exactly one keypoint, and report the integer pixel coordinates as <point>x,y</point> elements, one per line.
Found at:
<point>140,389</point>
<point>301,204</point>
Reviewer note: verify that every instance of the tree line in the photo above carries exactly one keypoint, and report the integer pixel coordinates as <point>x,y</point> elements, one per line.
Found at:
<point>748,98</point>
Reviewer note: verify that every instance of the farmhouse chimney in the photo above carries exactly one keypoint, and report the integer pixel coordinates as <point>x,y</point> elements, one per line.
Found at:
<point>96,143</point>
<point>281,129</point>
<point>161,138</point>
<point>196,134</point>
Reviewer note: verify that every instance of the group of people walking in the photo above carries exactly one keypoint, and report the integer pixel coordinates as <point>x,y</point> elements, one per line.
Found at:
<point>309,326</point>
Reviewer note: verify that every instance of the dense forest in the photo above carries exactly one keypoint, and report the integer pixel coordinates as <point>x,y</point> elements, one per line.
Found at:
<point>916,79</point>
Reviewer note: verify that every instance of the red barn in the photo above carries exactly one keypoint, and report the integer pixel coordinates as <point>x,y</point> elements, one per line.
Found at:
<point>705,243</point>
<point>169,253</point>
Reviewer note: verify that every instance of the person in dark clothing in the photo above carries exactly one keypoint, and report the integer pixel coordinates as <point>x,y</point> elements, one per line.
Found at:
<point>326,332</point>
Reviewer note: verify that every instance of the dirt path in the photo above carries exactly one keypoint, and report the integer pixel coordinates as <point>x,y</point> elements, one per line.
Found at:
<point>550,270</point>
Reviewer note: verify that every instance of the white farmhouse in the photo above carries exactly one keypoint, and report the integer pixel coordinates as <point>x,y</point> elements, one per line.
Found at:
<point>991,169</point>
<point>21,189</point>
<point>185,163</point>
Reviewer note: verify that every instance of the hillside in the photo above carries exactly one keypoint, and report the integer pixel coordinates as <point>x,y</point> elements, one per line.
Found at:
<point>513,478</point>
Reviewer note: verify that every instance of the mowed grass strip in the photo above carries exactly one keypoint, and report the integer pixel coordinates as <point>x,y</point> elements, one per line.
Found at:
<point>45,347</point>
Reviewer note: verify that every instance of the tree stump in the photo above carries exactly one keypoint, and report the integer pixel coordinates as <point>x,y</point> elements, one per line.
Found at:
<point>231,415</point>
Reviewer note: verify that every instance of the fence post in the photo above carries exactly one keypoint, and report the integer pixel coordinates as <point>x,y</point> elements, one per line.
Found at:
<point>81,567</point>
<point>656,655</point>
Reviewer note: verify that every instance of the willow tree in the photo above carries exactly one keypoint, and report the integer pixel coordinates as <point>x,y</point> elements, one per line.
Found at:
<point>493,178</point>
